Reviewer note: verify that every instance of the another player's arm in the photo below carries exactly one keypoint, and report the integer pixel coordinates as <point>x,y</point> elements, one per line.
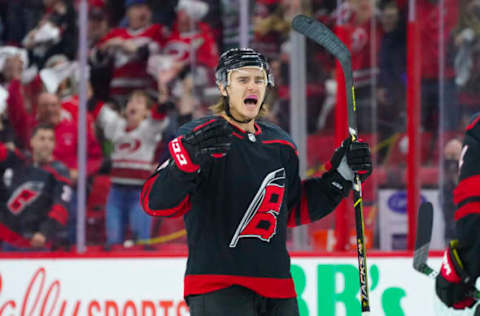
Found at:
<point>467,200</point>
<point>460,266</point>
<point>314,198</point>
<point>168,191</point>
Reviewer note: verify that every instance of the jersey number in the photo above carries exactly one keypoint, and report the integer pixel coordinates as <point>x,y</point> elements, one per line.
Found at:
<point>260,219</point>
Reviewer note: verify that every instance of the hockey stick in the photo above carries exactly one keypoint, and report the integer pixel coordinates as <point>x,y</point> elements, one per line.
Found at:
<point>422,243</point>
<point>321,35</point>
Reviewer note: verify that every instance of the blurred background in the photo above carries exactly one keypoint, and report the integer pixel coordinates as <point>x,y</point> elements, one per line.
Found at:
<point>84,71</point>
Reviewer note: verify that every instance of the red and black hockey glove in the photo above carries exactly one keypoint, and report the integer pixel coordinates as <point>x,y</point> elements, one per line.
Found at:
<point>212,139</point>
<point>452,285</point>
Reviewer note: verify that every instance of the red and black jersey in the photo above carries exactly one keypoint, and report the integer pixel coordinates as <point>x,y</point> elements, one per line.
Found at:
<point>237,209</point>
<point>34,198</point>
<point>467,199</point>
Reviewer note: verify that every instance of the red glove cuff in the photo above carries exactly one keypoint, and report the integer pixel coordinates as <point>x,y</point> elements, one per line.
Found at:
<point>180,156</point>
<point>448,270</point>
<point>466,303</point>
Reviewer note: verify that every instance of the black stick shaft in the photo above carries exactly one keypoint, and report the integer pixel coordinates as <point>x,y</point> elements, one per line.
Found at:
<point>322,35</point>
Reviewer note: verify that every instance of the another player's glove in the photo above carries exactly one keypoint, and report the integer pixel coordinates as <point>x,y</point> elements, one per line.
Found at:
<point>212,139</point>
<point>453,286</point>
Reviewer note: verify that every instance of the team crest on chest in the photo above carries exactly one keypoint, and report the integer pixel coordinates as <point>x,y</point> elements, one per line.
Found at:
<point>260,219</point>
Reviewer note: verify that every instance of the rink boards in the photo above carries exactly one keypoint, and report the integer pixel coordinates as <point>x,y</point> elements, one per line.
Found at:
<point>152,286</point>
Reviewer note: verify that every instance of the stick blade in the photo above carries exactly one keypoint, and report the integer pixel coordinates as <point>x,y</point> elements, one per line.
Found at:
<point>322,35</point>
<point>424,235</point>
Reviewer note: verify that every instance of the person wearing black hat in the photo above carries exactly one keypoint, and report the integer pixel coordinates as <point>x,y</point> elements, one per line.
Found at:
<point>235,179</point>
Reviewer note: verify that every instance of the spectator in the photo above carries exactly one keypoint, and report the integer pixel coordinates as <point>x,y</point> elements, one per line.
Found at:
<point>364,43</point>
<point>451,157</point>
<point>134,137</point>
<point>12,91</point>
<point>428,15</point>
<point>54,33</point>
<point>392,78</point>
<point>37,191</point>
<point>66,131</point>
<point>190,35</point>
<point>467,59</point>
<point>129,48</point>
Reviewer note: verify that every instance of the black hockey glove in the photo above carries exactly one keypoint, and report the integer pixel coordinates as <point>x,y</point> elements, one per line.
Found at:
<point>212,139</point>
<point>453,286</point>
<point>348,159</point>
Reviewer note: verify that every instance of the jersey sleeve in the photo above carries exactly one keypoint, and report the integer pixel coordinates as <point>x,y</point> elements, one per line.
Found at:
<point>311,199</point>
<point>57,215</point>
<point>168,191</point>
<point>467,200</point>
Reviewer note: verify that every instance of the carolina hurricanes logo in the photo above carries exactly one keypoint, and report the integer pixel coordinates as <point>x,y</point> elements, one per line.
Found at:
<point>260,219</point>
<point>180,50</point>
<point>24,196</point>
<point>130,146</point>
<point>359,39</point>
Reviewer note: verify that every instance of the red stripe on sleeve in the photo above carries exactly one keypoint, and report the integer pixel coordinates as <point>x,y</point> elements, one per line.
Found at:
<point>291,217</point>
<point>284,142</point>
<point>471,125</point>
<point>17,240</point>
<point>204,124</point>
<point>468,187</point>
<point>467,209</point>
<point>59,213</point>
<point>182,208</point>
<point>302,208</point>
<point>57,175</point>
<point>3,152</point>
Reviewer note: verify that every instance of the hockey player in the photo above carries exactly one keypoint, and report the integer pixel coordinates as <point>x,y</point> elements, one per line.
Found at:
<point>461,262</point>
<point>236,182</point>
<point>35,194</point>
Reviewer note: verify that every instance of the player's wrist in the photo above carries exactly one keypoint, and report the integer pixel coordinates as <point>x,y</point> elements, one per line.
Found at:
<point>337,182</point>
<point>181,157</point>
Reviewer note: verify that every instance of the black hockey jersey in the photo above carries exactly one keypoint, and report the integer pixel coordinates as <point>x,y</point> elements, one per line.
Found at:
<point>34,198</point>
<point>237,209</point>
<point>467,199</point>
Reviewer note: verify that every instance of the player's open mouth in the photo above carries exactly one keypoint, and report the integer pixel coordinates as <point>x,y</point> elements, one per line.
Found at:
<point>251,100</point>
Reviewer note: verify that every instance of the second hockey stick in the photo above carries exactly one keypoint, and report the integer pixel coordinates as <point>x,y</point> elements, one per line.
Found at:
<point>422,243</point>
<point>322,35</point>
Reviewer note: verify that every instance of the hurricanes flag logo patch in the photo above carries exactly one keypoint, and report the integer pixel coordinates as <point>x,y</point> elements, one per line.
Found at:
<point>260,219</point>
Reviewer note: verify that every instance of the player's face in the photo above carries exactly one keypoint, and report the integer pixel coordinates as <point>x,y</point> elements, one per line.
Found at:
<point>136,110</point>
<point>42,144</point>
<point>49,109</point>
<point>246,90</point>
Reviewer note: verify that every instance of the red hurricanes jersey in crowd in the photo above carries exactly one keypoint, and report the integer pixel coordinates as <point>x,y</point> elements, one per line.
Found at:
<point>134,149</point>
<point>364,45</point>
<point>428,15</point>
<point>200,40</point>
<point>66,132</point>
<point>34,198</point>
<point>130,73</point>
<point>237,209</point>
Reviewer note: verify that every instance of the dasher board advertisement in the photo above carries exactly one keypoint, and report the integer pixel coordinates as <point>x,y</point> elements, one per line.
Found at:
<point>116,286</point>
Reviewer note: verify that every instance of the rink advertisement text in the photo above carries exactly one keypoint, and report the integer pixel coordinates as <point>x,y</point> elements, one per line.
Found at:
<point>327,286</point>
